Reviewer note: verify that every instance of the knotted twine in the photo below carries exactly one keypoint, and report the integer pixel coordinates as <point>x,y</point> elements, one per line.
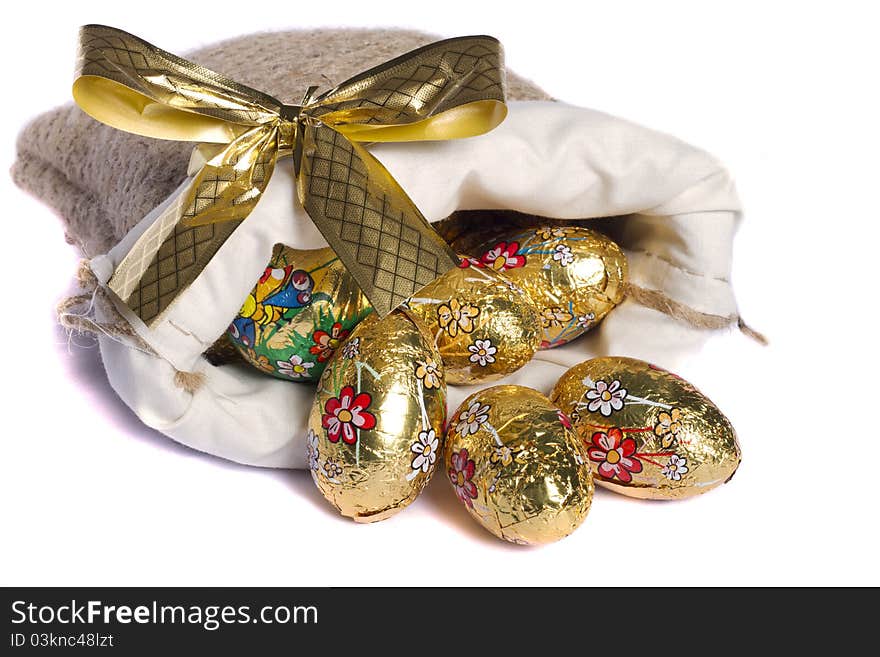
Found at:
<point>77,314</point>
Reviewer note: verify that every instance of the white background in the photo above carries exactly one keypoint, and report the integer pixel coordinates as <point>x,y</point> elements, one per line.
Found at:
<point>786,94</point>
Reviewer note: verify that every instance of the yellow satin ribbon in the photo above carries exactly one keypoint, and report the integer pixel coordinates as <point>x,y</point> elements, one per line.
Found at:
<point>446,90</point>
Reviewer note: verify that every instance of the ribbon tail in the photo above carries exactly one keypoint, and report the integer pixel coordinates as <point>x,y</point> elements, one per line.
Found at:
<point>376,230</point>
<point>175,249</point>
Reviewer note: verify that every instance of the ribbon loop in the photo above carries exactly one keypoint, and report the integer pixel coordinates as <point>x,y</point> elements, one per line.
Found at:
<point>445,90</point>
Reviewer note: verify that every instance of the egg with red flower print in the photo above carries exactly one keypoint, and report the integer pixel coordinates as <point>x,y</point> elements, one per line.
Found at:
<point>516,465</point>
<point>301,310</point>
<point>376,425</point>
<point>574,275</point>
<point>647,432</point>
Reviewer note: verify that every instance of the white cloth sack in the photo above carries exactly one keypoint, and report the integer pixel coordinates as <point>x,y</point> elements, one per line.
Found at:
<point>550,159</point>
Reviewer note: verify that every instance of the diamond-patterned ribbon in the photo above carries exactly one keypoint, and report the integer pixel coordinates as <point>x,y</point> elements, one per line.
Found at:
<point>446,90</point>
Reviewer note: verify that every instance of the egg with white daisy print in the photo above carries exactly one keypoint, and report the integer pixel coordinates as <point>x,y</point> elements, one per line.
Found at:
<point>515,464</point>
<point>647,432</point>
<point>484,326</point>
<point>376,427</point>
<point>574,275</point>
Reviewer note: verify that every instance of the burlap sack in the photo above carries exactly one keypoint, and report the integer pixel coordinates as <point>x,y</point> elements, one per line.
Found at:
<point>672,208</point>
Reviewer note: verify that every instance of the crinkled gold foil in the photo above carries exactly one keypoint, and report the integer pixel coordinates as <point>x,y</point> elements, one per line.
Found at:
<point>484,326</point>
<point>376,426</point>
<point>299,313</point>
<point>515,463</point>
<point>574,275</point>
<point>648,433</point>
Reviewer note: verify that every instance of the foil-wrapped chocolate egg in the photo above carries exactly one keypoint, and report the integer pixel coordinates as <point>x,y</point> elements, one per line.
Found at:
<point>517,466</point>
<point>484,326</point>
<point>648,433</point>
<point>574,275</point>
<point>300,311</point>
<point>376,426</point>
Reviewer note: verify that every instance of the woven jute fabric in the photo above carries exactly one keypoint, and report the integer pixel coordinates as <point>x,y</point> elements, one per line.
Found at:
<point>102,181</point>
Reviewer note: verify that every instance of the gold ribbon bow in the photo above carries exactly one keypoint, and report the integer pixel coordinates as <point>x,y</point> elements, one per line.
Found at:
<point>445,90</point>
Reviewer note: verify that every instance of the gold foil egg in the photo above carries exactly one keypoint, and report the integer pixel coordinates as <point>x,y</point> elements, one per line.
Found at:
<point>484,326</point>
<point>376,425</point>
<point>574,275</point>
<point>648,433</point>
<point>300,311</point>
<point>516,464</point>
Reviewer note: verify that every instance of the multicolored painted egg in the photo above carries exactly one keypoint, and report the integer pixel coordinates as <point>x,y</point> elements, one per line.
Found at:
<point>300,311</point>
<point>517,466</point>
<point>484,326</point>
<point>574,275</point>
<point>376,426</point>
<point>648,433</point>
